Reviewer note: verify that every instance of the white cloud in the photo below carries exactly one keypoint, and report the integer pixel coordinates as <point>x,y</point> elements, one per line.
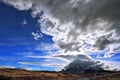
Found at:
<point>111,65</point>
<point>50,62</point>
<point>77,25</point>
<point>20,4</point>
<point>47,47</point>
<point>11,67</point>
<point>49,58</point>
<point>30,63</point>
<point>73,57</point>
<point>37,36</point>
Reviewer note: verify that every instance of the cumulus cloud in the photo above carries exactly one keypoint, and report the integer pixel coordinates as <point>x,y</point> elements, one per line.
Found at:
<point>111,65</point>
<point>20,4</point>
<point>77,25</point>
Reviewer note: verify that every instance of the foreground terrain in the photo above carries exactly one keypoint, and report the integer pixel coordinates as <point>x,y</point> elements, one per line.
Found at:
<point>18,74</point>
<point>15,74</point>
<point>112,76</point>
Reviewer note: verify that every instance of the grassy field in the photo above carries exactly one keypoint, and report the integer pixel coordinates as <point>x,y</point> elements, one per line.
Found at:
<point>14,74</point>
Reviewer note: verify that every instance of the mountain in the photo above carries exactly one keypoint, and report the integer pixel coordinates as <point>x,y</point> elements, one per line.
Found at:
<point>79,66</point>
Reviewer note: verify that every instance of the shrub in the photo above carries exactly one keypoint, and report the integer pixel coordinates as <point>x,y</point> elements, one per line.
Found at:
<point>5,78</point>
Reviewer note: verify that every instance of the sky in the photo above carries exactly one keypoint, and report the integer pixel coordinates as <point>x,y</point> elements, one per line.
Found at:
<point>17,40</point>
<point>49,34</point>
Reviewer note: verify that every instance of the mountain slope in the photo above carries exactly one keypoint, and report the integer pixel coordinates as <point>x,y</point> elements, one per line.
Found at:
<point>80,66</point>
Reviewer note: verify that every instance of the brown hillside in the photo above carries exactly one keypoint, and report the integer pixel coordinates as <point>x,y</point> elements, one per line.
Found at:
<point>16,74</point>
<point>13,74</point>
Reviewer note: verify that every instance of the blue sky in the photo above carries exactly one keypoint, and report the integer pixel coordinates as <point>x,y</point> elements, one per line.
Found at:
<point>32,42</point>
<point>16,40</point>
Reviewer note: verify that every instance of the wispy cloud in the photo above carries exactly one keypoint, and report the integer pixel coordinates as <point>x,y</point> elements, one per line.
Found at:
<point>54,63</point>
<point>7,67</point>
<point>49,61</point>
<point>47,47</point>
<point>14,44</point>
<point>30,63</point>
<point>77,26</point>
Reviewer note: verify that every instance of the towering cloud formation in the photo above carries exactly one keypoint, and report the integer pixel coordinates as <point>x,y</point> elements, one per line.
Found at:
<point>77,25</point>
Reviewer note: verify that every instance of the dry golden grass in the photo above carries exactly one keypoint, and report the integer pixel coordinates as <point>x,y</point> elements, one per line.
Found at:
<point>35,75</point>
<point>13,74</point>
